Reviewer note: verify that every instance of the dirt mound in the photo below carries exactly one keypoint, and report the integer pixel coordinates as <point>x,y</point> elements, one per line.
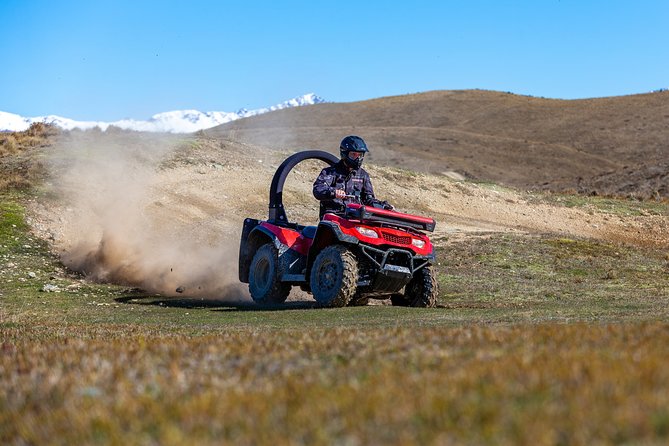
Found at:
<point>514,140</point>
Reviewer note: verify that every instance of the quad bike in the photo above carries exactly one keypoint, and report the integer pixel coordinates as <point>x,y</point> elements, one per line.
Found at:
<point>360,253</point>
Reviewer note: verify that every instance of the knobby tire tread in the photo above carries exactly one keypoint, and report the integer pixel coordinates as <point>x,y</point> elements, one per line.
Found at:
<point>421,291</point>
<point>349,280</point>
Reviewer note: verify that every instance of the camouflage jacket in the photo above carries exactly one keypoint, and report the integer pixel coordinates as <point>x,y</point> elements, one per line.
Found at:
<point>354,182</point>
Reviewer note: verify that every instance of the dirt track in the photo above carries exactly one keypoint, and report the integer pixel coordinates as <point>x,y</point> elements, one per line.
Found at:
<point>176,220</point>
<point>237,190</point>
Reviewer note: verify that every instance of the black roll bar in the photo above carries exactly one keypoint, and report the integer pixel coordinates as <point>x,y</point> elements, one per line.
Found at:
<point>277,213</point>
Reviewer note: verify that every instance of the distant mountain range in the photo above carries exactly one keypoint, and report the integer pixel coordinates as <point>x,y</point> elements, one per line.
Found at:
<point>179,121</point>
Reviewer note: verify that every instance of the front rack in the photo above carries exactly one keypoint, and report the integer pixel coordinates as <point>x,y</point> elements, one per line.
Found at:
<point>372,214</point>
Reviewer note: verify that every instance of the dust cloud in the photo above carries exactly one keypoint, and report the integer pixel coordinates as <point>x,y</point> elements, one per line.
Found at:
<point>115,229</point>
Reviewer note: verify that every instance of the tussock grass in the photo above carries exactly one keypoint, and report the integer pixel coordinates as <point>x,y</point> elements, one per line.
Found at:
<point>36,135</point>
<point>18,168</point>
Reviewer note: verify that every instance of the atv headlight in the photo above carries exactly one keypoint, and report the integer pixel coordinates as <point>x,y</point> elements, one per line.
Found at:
<point>418,243</point>
<point>367,232</point>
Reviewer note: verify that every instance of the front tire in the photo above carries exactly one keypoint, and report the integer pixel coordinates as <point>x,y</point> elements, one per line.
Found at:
<point>334,276</point>
<point>421,291</point>
<point>265,284</point>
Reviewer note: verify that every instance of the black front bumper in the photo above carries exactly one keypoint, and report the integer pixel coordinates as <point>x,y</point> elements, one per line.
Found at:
<point>389,270</point>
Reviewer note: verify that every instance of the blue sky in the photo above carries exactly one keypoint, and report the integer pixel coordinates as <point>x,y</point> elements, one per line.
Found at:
<point>107,60</point>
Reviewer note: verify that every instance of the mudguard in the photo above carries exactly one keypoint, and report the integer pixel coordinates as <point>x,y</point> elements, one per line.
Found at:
<point>255,234</point>
<point>292,247</point>
<point>247,248</point>
<point>328,233</point>
<point>328,227</point>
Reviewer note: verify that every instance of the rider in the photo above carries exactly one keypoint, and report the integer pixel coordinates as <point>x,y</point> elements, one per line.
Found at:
<point>339,183</point>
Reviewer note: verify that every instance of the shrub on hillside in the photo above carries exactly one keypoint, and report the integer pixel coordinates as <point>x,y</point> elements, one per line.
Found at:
<point>37,135</point>
<point>18,169</point>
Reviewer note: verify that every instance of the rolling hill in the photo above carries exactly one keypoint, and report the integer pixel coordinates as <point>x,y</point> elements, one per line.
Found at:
<point>609,146</point>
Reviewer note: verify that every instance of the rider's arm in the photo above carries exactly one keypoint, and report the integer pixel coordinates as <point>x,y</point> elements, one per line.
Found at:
<point>322,186</point>
<point>367,193</point>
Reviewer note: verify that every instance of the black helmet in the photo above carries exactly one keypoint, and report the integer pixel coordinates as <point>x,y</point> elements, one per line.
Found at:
<point>353,144</point>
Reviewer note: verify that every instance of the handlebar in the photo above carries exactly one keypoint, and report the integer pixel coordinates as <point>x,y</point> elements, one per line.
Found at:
<point>353,198</point>
<point>356,198</point>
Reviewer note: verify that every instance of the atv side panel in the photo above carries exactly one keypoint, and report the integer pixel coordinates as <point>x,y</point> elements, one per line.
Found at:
<point>292,246</point>
<point>256,233</point>
<point>291,238</point>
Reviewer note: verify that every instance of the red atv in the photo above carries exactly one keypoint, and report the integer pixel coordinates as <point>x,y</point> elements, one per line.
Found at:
<point>361,253</point>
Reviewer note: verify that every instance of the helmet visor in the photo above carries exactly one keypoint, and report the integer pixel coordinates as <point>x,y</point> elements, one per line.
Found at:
<point>356,155</point>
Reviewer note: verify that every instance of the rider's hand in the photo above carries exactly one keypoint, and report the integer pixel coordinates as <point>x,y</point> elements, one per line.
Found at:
<point>339,193</point>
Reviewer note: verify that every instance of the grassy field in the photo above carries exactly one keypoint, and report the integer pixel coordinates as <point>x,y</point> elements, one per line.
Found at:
<point>536,340</point>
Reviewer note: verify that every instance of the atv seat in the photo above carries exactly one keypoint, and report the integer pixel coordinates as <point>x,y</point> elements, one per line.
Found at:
<point>309,231</point>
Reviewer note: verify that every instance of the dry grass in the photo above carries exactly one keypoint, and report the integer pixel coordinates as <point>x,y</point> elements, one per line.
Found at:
<point>18,168</point>
<point>527,384</point>
<point>37,135</point>
<point>548,278</point>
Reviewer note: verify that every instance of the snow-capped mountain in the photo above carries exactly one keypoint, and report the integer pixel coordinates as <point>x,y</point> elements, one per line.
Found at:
<point>179,121</point>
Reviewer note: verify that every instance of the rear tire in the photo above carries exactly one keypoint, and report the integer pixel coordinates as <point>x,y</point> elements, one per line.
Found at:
<point>265,284</point>
<point>334,276</point>
<point>421,291</point>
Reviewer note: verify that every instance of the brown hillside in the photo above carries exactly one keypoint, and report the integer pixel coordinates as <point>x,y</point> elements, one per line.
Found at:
<point>591,145</point>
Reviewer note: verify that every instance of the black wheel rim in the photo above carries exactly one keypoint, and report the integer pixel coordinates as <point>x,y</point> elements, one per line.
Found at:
<point>328,274</point>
